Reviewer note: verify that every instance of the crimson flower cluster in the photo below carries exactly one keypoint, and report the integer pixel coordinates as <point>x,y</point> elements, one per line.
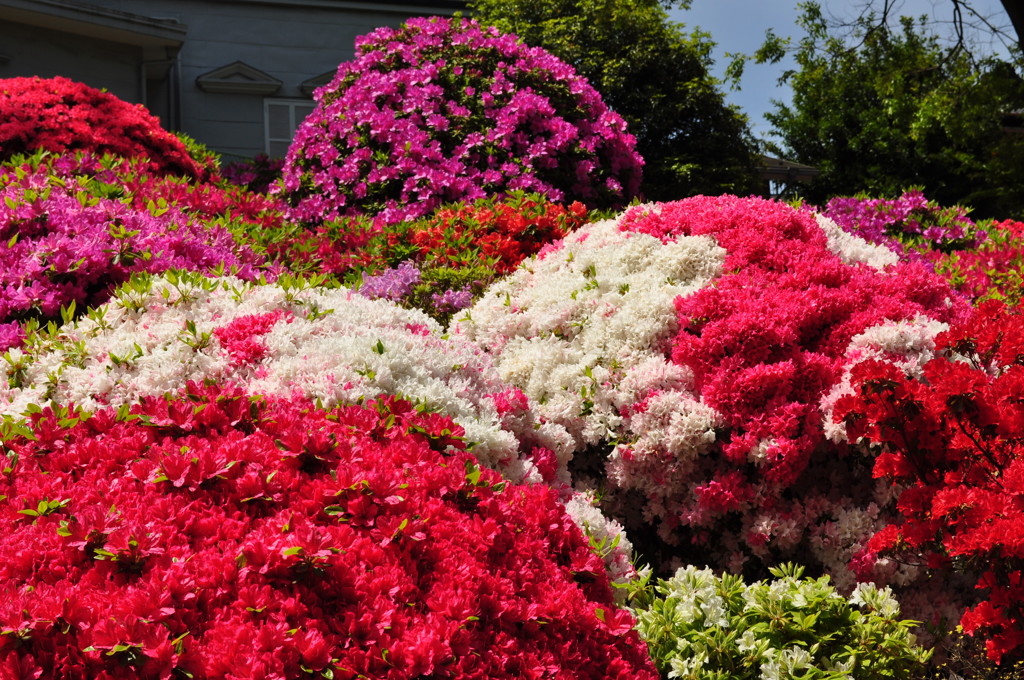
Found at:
<point>768,340</point>
<point>953,441</point>
<point>219,535</point>
<point>444,110</point>
<point>73,230</point>
<point>60,115</point>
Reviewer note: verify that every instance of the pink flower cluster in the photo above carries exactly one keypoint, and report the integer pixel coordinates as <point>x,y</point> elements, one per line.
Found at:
<point>220,535</point>
<point>60,115</point>
<point>444,110</point>
<point>257,175</point>
<point>74,229</point>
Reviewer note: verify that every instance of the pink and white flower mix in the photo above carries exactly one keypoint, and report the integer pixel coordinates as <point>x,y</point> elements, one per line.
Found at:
<point>692,344</point>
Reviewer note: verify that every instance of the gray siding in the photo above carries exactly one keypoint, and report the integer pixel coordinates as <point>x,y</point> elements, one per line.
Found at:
<point>39,52</point>
<point>288,40</point>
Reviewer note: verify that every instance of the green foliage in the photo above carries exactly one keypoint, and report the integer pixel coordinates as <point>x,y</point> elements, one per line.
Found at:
<point>205,157</point>
<point>655,76</point>
<point>881,109</point>
<point>702,627</point>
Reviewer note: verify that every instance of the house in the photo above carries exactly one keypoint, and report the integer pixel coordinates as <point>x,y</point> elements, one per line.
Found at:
<point>237,75</point>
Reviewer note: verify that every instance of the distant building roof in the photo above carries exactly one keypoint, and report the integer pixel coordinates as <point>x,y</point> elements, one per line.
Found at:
<point>779,170</point>
<point>97,22</point>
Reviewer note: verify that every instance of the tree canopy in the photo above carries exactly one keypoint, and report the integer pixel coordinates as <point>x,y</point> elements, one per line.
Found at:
<point>655,75</point>
<point>883,109</point>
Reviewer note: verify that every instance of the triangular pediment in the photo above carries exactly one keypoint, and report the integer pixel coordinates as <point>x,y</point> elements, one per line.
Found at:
<point>238,78</point>
<point>310,85</point>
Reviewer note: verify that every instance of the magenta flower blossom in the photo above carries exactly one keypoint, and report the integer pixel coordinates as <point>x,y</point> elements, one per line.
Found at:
<point>66,241</point>
<point>446,110</point>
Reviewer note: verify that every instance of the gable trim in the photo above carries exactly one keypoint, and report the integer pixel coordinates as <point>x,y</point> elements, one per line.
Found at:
<point>238,78</point>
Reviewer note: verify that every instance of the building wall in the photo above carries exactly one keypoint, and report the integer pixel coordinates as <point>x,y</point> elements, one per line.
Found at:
<point>290,41</point>
<point>36,51</point>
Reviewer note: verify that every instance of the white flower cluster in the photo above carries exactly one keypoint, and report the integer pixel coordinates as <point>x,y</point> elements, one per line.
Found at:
<point>330,345</point>
<point>852,249</point>
<point>584,331</point>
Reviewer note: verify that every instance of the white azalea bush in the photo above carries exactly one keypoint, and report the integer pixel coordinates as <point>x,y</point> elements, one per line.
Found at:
<point>699,626</point>
<point>687,348</point>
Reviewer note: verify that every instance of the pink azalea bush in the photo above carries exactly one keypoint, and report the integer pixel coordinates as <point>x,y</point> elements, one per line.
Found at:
<point>993,270</point>
<point>72,236</point>
<point>444,110</point>
<point>258,174</point>
<point>908,222</point>
<point>61,115</point>
<point>212,534</point>
<point>691,349</point>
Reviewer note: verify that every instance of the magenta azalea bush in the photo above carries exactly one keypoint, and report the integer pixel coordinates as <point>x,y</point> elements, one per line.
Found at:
<point>61,115</point>
<point>214,534</point>
<point>443,110</point>
<point>908,224</point>
<point>981,260</point>
<point>71,238</point>
<point>691,349</point>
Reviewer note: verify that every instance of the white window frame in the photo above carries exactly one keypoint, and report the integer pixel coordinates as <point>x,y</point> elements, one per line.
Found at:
<point>295,117</point>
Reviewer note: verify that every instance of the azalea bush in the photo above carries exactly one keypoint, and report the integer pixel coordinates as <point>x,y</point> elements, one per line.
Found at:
<point>438,263</point>
<point>444,110</point>
<point>293,337</point>
<point>61,115</point>
<point>258,174</point>
<point>701,626</point>
<point>75,227</point>
<point>982,260</point>
<point>214,534</point>
<point>950,440</point>
<point>688,348</point>
<point>994,270</point>
<point>910,221</point>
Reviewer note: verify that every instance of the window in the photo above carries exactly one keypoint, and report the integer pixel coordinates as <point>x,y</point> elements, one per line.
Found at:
<point>281,117</point>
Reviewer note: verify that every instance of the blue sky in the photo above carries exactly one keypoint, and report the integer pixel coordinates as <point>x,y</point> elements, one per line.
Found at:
<point>739,26</point>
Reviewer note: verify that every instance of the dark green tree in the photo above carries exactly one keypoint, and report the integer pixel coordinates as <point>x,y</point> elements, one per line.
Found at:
<point>880,109</point>
<point>655,76</point>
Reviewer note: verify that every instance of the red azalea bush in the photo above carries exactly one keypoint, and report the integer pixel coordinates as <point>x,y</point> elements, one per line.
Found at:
<point>952,442</point>
<point>218,535</point>
<point>496,232</point>
<point>59,115</point>
<point>437,263</point>
<point>75,228</point>
<point>444,110</point>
